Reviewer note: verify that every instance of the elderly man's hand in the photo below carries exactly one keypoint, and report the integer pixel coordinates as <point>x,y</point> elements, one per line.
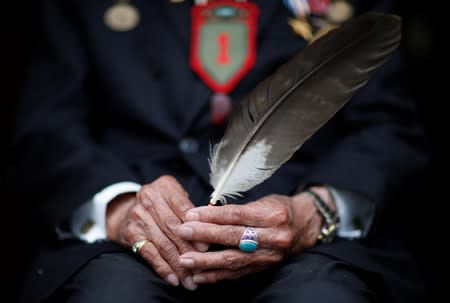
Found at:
<point>285,225</point>
<point>154,214</point>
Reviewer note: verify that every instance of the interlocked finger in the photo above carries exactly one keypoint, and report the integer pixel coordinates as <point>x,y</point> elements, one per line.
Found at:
<point>151,255</point>
<point>229,259</point>
<point>137,246</point>
<point>160,253</point>
<point>230,235</point>
<point>169,249</point>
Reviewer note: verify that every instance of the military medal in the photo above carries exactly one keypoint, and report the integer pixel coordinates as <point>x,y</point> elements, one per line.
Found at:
<point>122,16</point>
<point>223,48</point>
<point>339,11</point>
<point>300,24</point>
<point>314,18</point>
<point>318,7</point>
<point>301,27</point>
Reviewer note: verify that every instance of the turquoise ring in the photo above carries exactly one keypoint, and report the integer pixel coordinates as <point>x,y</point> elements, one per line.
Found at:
<point>249,240</point>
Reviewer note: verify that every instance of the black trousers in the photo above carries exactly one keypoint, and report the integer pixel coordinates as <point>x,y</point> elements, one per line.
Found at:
<point>308,277</point>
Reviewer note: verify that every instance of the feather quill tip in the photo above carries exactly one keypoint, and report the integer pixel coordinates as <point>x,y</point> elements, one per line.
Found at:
<point>218,202</point>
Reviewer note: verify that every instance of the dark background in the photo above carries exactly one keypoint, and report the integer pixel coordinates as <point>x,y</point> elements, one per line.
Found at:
<point>422,220</point>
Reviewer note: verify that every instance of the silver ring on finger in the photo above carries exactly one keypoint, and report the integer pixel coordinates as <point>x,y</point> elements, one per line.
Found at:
<point>249,240</point>
<point>137,246</point>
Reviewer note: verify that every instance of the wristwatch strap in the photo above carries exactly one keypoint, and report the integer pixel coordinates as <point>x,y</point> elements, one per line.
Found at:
<point>331,217</point>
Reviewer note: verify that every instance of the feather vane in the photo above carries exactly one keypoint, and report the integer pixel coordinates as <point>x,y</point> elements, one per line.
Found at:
<point>287,108</point>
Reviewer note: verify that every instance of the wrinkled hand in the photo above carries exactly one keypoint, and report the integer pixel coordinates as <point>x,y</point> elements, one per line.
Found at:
<point>154,214</point>
<point>285,225</point>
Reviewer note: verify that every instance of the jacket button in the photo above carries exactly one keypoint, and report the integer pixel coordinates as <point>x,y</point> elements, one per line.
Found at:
<point>188,146</point>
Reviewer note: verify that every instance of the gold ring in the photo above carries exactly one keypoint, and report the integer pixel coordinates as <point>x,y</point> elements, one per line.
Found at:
<point>136,248</point>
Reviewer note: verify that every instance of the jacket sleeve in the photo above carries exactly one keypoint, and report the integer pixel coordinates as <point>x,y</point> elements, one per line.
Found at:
<point>57,164</point>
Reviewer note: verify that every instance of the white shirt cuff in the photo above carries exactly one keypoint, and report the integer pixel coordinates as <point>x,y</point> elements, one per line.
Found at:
<point>88,222</point>
<point>355,211</point>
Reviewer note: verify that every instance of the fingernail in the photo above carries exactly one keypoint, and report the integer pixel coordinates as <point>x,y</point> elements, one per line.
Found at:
<point>199,279</point>
<point>172,279</point>
<point>200,246</point>
<point>192,215</point>
<point>186,262</point>
<point>185,232</point>
<point>189,284</point>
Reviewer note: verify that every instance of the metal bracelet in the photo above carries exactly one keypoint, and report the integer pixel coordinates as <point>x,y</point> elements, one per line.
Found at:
<point>331,217</point>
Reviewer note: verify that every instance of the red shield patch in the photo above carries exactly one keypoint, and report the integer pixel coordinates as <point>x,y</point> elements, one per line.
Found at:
<point>223,45</point>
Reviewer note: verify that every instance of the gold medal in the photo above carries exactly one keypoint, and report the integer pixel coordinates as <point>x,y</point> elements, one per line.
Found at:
<point>339,11</point>
<point>301,27</point>
<point>122,17</point>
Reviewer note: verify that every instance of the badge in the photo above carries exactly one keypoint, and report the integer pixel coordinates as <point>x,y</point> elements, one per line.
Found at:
<point>314,18</point>
<point>223,47</point>
<point>339,11</point>
<point>122,16</point>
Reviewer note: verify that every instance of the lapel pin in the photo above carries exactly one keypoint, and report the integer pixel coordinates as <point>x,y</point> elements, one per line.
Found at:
<point>122,16</point>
